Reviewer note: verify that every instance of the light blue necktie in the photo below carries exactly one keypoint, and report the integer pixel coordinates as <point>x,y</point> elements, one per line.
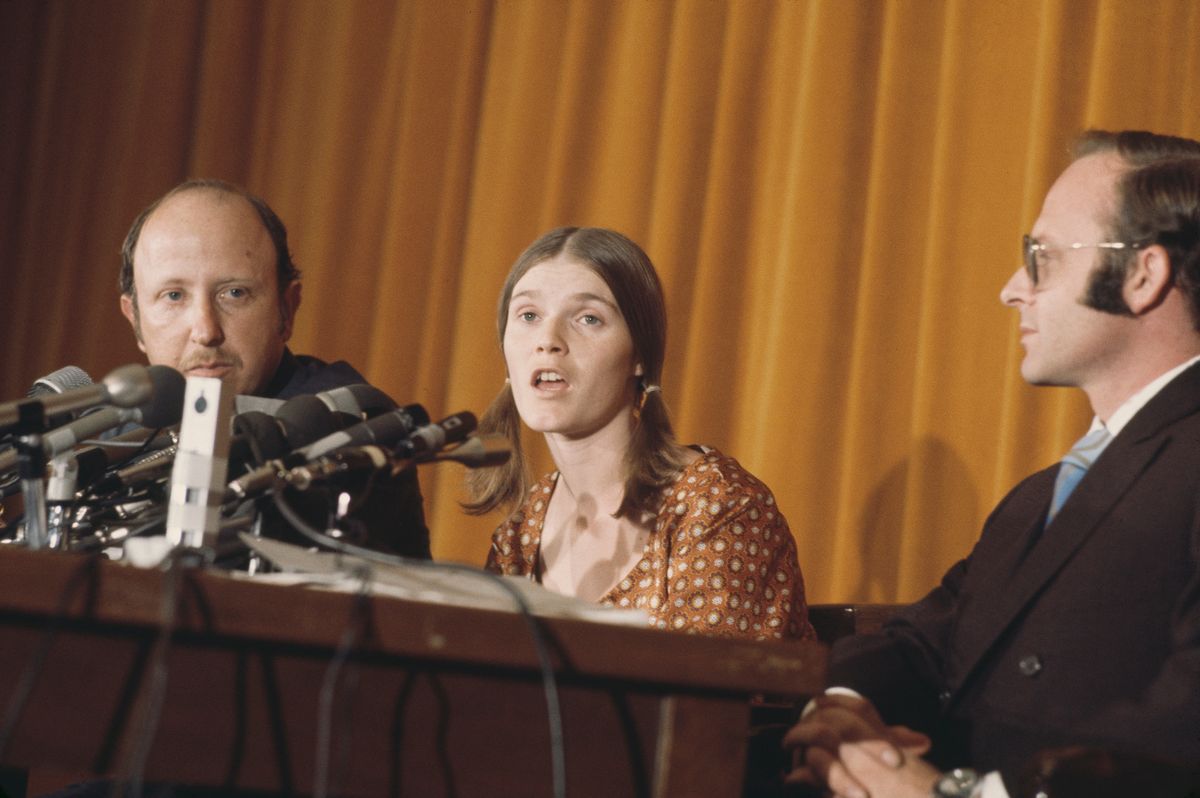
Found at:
<point>1074,465</point>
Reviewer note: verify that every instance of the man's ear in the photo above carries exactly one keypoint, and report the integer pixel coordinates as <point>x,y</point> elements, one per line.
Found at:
<point>290,303</point>
<point>130,312</point>
<point>1148,284</point>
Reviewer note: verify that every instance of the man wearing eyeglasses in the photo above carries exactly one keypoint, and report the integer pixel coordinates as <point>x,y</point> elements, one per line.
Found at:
<point>1076,618</point>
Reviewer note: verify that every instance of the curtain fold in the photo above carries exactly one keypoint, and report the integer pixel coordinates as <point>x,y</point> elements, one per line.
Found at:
<point>833,193</point>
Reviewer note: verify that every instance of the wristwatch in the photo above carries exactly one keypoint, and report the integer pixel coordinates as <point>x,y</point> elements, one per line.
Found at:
<point>957,783</point>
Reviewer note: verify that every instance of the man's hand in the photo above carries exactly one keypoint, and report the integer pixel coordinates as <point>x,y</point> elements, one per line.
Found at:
<point>912,778</point>
<point>838,719</point>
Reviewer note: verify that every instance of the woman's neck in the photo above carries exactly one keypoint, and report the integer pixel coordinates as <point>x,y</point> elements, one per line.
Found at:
<point>595,466</point>
<point>585,551</point>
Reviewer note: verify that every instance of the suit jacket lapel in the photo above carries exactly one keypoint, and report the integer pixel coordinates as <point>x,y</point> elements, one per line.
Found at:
<point>1035,555</point>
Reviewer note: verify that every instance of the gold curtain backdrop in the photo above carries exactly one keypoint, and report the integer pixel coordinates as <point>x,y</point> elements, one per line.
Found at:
<point>833,192</point>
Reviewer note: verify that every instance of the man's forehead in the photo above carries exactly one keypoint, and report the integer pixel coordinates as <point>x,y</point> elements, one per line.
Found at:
<point>205,226</point>
<point>1083,195</point>
<point>207,210</point>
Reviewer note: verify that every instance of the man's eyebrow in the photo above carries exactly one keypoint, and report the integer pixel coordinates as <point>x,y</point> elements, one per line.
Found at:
<point>219,282</point>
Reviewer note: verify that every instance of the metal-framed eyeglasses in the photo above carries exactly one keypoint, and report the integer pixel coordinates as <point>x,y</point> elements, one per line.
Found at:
<point>1034,252</point>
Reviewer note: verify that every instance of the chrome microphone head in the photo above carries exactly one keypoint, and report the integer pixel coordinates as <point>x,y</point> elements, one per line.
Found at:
<point>128,386</point>
<point>64,379</point>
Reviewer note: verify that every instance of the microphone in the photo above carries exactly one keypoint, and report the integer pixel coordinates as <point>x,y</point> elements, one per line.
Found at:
<point>201,461</point>
<point>375,433</point>
<point>146,439</point>
<point>64,379</point>
<point>126,386</point>
<point>425,443</point>
<point>164,409</point>
<point>140,444</point>
<point>347,461</point>
<point>69,469</point>
<point>258,437</point>
<point>432,438</point>
<point>384,430</point>
<point>155,466</point>
<point>304,419</point>
<point>55,382</point>
<point>361,400</point>
<point>481,451</point>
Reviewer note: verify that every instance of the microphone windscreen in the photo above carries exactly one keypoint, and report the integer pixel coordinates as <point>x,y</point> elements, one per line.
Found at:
<point>260,434</point>
<point>242,403</point>
<point>386,429</point>
<point>416,414</point>
<point>305,419</point>
<point>357,400</point>
<point>64,379</point>
<point>165,407</point>
<point>67,378</point>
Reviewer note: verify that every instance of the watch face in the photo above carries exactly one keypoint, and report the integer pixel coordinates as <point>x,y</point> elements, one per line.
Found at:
<point>957,783</point>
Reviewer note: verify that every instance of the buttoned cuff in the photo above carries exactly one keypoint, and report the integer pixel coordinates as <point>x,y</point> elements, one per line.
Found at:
<point>992,786</point>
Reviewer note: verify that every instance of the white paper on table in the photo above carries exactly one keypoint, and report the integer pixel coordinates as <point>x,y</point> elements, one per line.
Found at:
<point>429,583</point>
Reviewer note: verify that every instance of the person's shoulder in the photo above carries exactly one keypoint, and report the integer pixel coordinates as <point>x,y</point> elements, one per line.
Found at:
<point>723,482</point>
<point>315,368</point>
<point>312,375</point>
<point>715,467</point>
<point>1175,405</point>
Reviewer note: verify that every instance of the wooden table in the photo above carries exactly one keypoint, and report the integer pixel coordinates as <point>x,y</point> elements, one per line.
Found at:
<point>433,700</point>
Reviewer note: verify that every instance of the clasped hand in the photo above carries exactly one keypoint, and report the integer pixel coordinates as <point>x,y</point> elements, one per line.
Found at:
<point>843,743</point>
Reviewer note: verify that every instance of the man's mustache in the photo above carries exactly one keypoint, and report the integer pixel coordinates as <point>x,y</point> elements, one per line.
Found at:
<point>210,358</point>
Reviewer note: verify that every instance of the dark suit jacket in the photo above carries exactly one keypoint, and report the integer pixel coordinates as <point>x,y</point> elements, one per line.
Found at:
<point>392,515</point>
<point>303,374</point>
<point>1083,631</point>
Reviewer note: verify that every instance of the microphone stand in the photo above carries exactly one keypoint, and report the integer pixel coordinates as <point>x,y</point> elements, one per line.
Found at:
<point>31,466</point>
<point>60,489</point>
<point>256,562</point>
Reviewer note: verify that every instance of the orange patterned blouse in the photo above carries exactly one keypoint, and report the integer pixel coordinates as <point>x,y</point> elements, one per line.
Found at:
<point>720,560</point>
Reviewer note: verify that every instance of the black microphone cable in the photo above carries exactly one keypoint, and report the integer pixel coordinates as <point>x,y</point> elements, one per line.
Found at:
<point>131,774</point>
<point>538,635</point>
